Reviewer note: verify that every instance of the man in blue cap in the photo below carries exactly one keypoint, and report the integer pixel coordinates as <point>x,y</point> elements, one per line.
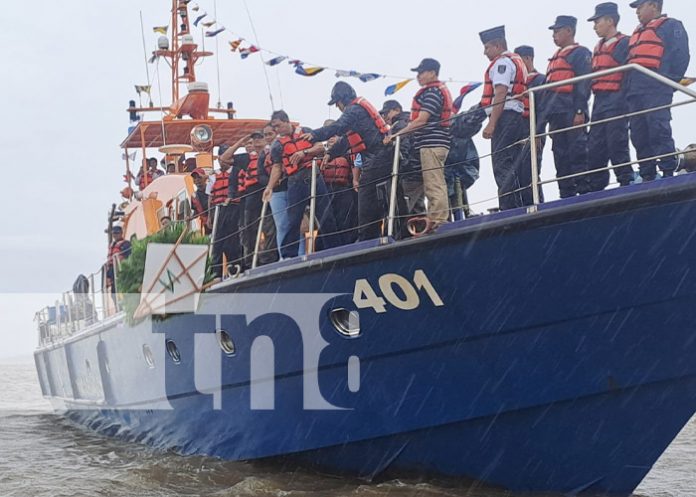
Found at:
<point>505,78</point>
<point>534,78</point>
<point>567,106</point>
<point>118,249</point>
<point>660,44</point>
<point>608,141</point>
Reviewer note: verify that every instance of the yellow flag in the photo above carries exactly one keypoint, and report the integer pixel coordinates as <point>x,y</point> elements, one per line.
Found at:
<point>161,29</point>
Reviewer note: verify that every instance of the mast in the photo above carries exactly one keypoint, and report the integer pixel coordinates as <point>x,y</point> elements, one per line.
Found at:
<point>182,51</point>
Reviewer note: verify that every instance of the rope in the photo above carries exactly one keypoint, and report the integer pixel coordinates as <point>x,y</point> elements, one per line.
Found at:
<point>263,61</point>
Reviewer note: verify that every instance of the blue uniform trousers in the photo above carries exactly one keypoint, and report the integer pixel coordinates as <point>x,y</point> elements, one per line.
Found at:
<point>651,134</point>
<point>299,192</point>
<point>227,240</point>
<point>509,167</point>
<point>569,154</point>
<point>608,142</point>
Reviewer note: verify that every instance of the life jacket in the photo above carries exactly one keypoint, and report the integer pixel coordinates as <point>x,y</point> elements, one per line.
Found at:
<point>603,58</point>
<point>251,177</point>
<point>241,185</point>
<point>646,48</point>
<point>519,85</point>
<point>355,140</point>
<point>338,172</point>
<point>199,209</point>
<point>447,103</point>
<point>221,188</point>
<point>292,144</point>
<point>117,249</point>
<point>145,180</point>
<point>560,69</point>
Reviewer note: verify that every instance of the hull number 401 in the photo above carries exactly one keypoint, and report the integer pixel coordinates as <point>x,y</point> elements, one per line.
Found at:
<point>397,291</point>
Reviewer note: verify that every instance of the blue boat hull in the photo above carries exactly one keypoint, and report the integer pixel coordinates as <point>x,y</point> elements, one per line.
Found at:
<point>561,360</point>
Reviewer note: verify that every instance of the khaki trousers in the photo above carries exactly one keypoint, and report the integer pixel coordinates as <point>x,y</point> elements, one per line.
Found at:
<point>433,165</point>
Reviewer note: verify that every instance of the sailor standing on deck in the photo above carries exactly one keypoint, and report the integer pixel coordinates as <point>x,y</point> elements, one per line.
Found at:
<point>608,141</point>
<point>661,44</point>
<point>534,78</point>
<point>430,123</point>
<point>505,78</point>
<point>293,154</point>
<point>224,189</point>
<point>567,106</point>
<point>362,130</point>
<point>119,250</point>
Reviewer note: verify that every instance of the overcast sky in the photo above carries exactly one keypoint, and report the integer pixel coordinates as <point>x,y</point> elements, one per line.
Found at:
<point>70,66</point>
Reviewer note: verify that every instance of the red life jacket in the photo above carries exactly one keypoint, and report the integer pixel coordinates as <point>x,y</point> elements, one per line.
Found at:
<point>447,103</point>
<point>221,188</point>
<point>356,142</point>
<point>338,172</point>
<point>530,79</point>
<point>646,48</point>
<point>199,210</point>
<point>115,250</point>
<point>603,58</point>
<point>145,180</point>
<point>560,69</point>
<point>251,178</point>
<point>291,144</point>
<point>241,186</point>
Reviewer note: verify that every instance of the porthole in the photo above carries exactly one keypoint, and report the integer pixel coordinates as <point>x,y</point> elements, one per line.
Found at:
<point>226,342</point>
<point>149,358</point>
<point>346,322</point>
<point>173,351</point>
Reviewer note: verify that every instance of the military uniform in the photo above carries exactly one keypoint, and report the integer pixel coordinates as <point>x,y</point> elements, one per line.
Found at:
<point>662,46</point>
<point>609,141</point>
<point>562,105</point>
<point>509,169</point>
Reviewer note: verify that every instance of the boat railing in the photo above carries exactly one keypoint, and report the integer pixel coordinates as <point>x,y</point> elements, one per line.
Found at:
<point>75,311</point>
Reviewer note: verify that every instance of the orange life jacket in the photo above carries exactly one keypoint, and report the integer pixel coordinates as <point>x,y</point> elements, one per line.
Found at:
<point>251,178</point>
<point>338,172</point>
<point>199,209</point>
<point>292,144</point>
<point>241,184</point>
<point>356,142</point>
<point>116,249</point>
<point>560,69</point>
<point>221,188</point>
<point>646,48</point>
<point>603,58</point>
<point>447,103</point>
<point>145,180</point>
<point>519,85</point>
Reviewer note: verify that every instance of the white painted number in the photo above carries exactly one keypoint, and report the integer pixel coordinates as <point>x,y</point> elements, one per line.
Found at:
<point>365,297</point>
<point>397,290</point>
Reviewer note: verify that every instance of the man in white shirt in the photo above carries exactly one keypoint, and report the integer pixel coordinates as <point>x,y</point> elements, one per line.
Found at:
<point>505,78</point>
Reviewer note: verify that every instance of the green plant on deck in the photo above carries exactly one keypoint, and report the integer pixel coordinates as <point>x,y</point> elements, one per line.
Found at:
<point>129,280</point>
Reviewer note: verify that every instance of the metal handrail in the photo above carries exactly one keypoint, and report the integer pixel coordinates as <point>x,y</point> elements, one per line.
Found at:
<point>606,72</point>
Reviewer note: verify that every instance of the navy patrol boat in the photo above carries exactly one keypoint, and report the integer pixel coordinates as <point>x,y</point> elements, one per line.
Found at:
<point>541,349</point>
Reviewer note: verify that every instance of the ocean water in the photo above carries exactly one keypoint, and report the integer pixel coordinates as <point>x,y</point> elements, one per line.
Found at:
<point>42,454</point>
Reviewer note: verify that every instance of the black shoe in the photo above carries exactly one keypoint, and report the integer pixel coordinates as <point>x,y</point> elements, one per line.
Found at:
<point>667,174</point>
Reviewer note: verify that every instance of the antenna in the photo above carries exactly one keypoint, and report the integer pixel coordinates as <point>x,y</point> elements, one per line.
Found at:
<point>147,69</point>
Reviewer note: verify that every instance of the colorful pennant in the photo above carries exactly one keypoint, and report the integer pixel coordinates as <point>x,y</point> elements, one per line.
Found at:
<point>161,29</point>
<point>276,60</point>
<point>143,89</point>
<point>216,32</point>
<point>308,71</point>
<point>246,52</point>
<point>200,18</point>
<point>396,87</point>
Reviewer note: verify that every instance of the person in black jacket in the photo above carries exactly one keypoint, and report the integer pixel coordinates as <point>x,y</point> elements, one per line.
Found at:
<point>361,130</point>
